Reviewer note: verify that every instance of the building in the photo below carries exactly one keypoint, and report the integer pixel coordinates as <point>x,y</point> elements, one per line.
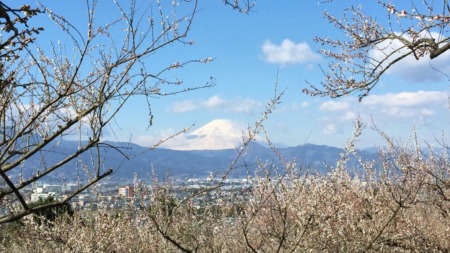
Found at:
<point>126,191</point>
<point>46,191</point>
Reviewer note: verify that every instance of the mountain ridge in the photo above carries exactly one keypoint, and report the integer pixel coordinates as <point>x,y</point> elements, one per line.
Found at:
<point>129,160</point>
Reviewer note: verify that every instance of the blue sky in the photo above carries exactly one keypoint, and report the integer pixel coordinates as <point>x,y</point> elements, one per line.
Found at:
<point>277,37</point>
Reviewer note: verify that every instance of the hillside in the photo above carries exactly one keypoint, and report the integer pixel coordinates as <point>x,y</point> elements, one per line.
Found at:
<point>130,159</point>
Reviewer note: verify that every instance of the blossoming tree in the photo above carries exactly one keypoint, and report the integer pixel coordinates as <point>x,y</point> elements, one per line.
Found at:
<point>48,94</point>
<point>373,45</point>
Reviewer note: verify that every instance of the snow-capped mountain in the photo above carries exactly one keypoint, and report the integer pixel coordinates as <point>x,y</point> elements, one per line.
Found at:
<point>216,135</point>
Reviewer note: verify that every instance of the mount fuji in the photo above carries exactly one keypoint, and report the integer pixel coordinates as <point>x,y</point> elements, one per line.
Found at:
<point>208,149</point>
<point>218,134</point>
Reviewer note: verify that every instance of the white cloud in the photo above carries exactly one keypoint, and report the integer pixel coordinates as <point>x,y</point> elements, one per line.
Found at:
<point>243,105</point>
<point>334,106</point>
<point>350,116</point>
<point>407,99</point>
<point>399,113</point>
<point>330,129</point>
<point>391,111</point>
<point>409,68</point>
<point>304,105</point>
<point>184,106</point>
<point>289,53</point>
<point>213,102</point>
<point>426,112</point>
<point>295,106</point>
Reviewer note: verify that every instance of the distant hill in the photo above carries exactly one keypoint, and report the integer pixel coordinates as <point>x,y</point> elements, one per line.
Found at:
<point>144,163</point>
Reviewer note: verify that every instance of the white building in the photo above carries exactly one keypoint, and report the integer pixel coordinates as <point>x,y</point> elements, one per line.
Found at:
<point>45,191</point>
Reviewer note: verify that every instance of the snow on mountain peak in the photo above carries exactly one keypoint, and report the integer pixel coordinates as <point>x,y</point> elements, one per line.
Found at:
<point>215,135</point>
